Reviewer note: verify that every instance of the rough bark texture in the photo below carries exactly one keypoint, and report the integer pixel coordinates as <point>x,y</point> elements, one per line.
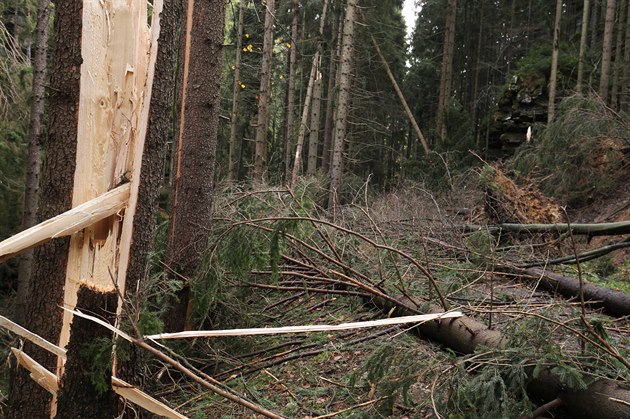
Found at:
<point>332,80</point>
<point>194,177</point>
<point>313,140</point>
<point>290,110</point>
<point>33,158</point>
<point>236,89</point>
<point>613,302</point>
<point>343,103</point>
<point>42,314</point>
<point>297,161</point>
<point>582,53</point>
<point>616,72</point>
<point>604,81</point>
<point>625,78</point>
<point>260,158</point>
<point>447,68</point>
<point>78,396</point>
<point>152,171</point>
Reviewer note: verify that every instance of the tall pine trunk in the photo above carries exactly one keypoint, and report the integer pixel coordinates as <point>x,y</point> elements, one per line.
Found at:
<point>290,109</point>
<point>580,76</point>
<point>260,156</point>
<point>617,68</point>
<point>313,140</point>
<point>33,158</point>
<point>236,89</point>
<point>447,68</point>
<point>330,94</point>
<point>609,24</point>
<point>551,109</point>
<point>625,78</point>
<point>196,148</point>
<point>343,103</point>
<point>41,314</point>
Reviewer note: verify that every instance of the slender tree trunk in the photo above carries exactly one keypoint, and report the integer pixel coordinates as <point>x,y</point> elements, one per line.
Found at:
<point>236,89</point>
<point>625,83</point>
<point>332,80</point>
<point>595,23</point>
<point>290,110</point>
<point>42,315</point>
<point>475,93</point>
<point>260,158</point>
<point>447,68</point>
<point>551,109</point>
<point>343,106</point>
<point>616,72</point>
<point>33,158</point>
<point>313,141</point>
<point>297,161</point>
<point>604,81</point>
<point>194,177</point>
<point>584,35</point>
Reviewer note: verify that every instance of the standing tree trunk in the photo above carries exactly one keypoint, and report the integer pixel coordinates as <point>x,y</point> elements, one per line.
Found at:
<point>580,75</point>
<point>42,314</point>
<point>625,78</point>
<point>290,110</point>
<point>313,140</point>
<point>604,81</point>
<point>152,170</point>
<point>551,109</point>
<point>297,162</point>
<point>616,72</point>
<point>236,89</point>
<point>475,93</point>
<point>33,159</point>
<point>447,68</point>
<point>330,93</point>
<point>260,157</point>
<point>343,103</point>
<point>194,177</point>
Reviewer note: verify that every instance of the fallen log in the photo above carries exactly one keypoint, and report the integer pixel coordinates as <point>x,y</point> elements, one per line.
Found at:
<point>613,302</point>
<point>596,229</point>
<point>604,398</point>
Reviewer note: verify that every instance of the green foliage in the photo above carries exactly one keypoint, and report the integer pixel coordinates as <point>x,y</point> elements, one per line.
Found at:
<point>99,353</point>
<point>577,157</point>
<point>389,372</point>
<point>535,66</point>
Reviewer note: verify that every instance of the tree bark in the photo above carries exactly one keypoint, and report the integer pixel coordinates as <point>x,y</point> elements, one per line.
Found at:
<point>290,110</point>
<point>152,170</point>
<point>42,315</point>
<point>582,53</point>
<point>616,71</point>
<point>79,396</point>
<point>297,161</point>
<point>446,73</point>
<point>551,108</point>
<point>236,89</point>
<point>330,93</point>
<point>343,103</point>
<point>625,78</point>
<point>33,159</point>
<point>613,302</point>
<point>604,81</point>
<point>260,157</point>
<point>602,229</point>
<point>195,159</point>
<point>313,139</point>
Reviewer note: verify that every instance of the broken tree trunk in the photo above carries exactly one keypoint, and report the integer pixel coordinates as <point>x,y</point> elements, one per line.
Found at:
<point>595,229</point>
<point>464,334</point>
<point>613,302</point>
<point>86,387</point>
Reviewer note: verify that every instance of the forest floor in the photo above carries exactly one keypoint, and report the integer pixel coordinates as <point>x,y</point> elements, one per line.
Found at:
<point>298,265</point>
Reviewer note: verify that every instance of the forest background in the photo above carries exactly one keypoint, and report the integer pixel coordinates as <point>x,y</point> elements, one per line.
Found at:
<point>316,158</point>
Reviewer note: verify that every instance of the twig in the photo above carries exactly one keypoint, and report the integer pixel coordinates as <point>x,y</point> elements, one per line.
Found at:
<point>546,407</point>
<point>347,409</point>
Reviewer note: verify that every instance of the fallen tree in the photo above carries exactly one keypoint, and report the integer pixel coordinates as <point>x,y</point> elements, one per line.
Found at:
<point>596,229</point>
<point>613,302</point>
<point>603,398</point>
